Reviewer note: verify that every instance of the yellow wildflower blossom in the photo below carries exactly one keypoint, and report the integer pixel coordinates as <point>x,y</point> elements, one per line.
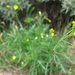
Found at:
<point>48,20</point>
<point>52,30</point>
<point>52,34</point>
<point>39,13</point>
<point>7,6</point>
<point>73,24</point>
<point>14,57</point>
<point>15,7</point>
<point>22,63</point>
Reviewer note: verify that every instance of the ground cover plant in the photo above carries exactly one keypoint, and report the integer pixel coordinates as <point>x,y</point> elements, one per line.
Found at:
<point>10,8</point>
<point>33,45</point>
<point>38,48</point>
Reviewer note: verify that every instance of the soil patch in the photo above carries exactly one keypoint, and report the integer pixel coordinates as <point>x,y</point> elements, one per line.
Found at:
<point>9,71</point>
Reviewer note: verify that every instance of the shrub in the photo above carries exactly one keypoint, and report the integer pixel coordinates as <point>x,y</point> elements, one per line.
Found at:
<point>68,7</point>
<point>9,8</point>
<point>46,0</point>
<point>38,49</point>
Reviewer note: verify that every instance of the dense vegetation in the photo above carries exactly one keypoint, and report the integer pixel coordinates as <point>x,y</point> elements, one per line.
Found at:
<point>36,36</point>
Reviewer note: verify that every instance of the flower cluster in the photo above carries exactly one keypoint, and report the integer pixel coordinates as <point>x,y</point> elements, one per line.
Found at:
<point>15,7</point>
<point>52,32</point>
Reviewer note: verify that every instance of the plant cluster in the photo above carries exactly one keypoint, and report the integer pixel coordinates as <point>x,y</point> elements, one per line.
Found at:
<point>68,6</point>
<point>39,48</point>
<point>10,8</point>
<point>46,0</point>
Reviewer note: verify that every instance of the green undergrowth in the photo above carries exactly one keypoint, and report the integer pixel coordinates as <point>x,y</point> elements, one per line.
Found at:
<point>39,49</point>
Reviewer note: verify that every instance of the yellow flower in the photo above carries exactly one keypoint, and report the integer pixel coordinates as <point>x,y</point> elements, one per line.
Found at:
<point>27,40</point>
<point>36,38</point>
<point>52,30</point>
<point>15,7</point>
<point>73,24</point>
<point>22,63</point>
<point>48,20</point>
<point>14,57</point>
<point>52,34</point>
<point>7,6</point>
<point>39,13</point>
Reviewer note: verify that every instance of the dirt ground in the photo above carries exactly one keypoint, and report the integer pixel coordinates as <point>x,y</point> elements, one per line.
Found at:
<point>12,72</point>
<point>9,71</point>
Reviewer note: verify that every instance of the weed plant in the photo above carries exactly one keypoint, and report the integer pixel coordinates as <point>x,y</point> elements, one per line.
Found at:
<point>39,49</point>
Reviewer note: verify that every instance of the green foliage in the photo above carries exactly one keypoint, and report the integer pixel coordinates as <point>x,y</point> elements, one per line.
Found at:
<point>28,19</point>
<point>68,6</point>
<point>9,8</point>
<point>9,11</point>
<point>42,0</point>
<point>38,48</point>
